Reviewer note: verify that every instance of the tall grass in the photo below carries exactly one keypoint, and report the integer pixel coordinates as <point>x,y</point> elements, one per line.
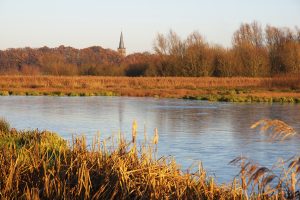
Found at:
<point>96,82</point>
<point>235,89</point>
<point>4,125</point>
<point>264,182</point>
<point>41,165</point>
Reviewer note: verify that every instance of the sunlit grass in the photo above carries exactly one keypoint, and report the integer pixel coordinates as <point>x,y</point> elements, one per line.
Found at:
<point>41,165</point>
<point>235,89</point>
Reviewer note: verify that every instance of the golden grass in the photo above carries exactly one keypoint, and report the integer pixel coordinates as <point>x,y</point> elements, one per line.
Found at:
<point>148,86</point>
<point>40,165</point>
<point>100,172</point>
<point>96,82</point>
<point>263,182</point>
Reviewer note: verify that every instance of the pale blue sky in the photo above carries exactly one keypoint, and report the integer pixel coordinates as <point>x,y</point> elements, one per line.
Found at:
<point>84,23</point>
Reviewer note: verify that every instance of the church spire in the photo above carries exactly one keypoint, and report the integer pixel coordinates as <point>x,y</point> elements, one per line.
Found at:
<point>122,49</point>
<point>121,43</point>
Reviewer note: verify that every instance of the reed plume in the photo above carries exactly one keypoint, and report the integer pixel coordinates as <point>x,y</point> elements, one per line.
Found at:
<point>277,129</point>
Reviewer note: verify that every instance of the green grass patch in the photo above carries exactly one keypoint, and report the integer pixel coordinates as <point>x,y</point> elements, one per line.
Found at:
<point>33,93</point>
<point>242,99</point>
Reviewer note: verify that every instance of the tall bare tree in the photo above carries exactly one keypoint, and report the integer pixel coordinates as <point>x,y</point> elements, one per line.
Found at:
<point>248,43</point>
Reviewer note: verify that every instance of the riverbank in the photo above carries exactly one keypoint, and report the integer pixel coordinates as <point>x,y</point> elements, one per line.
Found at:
<point>236,89</point>
<point>41,165</point>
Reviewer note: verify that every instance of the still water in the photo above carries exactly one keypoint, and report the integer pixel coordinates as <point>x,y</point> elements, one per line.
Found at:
<point>190,131</point>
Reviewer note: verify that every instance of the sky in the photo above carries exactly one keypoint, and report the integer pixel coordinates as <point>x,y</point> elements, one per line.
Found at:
<point>84,23</point>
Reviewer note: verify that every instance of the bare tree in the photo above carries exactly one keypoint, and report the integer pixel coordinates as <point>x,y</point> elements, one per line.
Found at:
<point>248,43</point>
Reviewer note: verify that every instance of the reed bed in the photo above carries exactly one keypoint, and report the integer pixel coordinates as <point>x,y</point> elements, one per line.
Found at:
<point>96,82</point>
<point>40,165</point>
<point>235,89</point>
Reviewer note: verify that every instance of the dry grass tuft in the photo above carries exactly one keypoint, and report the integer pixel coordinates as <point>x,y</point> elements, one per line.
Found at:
<point>4,125</point>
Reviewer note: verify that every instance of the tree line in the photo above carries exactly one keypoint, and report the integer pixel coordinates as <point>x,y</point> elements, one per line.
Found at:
<point>255,52</point>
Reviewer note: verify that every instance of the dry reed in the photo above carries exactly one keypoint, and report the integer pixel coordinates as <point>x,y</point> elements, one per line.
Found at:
<point>41,165</point>
<point>96,82</point>
<point>264,183</point>
<point>278,129</point>
<point>148,86</point>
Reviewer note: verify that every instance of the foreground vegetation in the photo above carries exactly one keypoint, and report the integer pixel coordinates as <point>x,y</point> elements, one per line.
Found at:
<point>41,165</point>
<point>236,89</point>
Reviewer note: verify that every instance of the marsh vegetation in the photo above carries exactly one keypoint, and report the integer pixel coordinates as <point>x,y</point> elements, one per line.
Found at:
<point>41,165</point>
<point>236,89</point>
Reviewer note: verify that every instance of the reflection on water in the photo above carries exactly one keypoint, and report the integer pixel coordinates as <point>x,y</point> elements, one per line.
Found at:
<point>212,132</point>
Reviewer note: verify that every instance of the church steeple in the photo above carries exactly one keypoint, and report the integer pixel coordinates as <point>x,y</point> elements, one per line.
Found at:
<point>121,43</point>
<point>122,49</point>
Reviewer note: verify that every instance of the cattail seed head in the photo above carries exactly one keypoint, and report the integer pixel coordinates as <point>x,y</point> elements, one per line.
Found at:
<point>156,136</point>
<point>134,127</point>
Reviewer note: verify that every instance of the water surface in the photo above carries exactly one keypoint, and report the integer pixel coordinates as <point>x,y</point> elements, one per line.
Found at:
<point>213,132</point>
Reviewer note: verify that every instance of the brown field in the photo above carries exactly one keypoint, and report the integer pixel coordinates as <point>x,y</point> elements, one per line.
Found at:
<point>174,87</point>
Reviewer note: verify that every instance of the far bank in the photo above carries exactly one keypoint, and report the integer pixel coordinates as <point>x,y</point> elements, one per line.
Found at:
<point>235,89</point>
